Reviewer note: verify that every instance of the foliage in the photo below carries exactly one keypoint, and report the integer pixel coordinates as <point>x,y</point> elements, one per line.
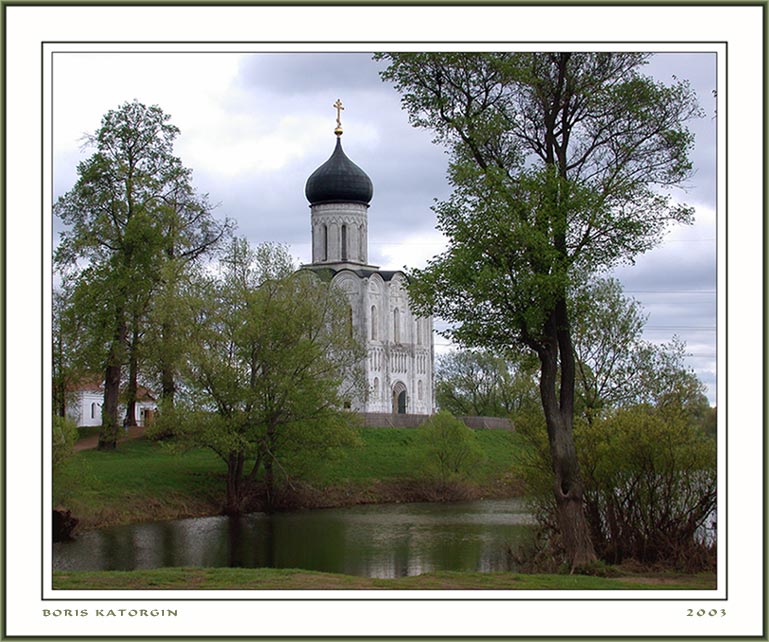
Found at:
<point>607,329</point>
<point>562,165</point>
<point>69,359</point>
<point>64,436</point>
<point>650,485</point>
<point>448,449</point>
<point>131,212</point>
<point>480,383</point>
<point>66,474</point>
<point>268,363</point>
<point>617,368</point>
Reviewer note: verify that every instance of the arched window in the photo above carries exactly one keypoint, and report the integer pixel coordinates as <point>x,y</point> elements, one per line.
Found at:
<point>374,323</point>
<point>376,387</point>
<point>344,242</point>
<point>419,332</point>
<point>93,410</point>
<point>325,242</point>
<point>396,326</point>
<point>419,390</point>
<point>349,321</point>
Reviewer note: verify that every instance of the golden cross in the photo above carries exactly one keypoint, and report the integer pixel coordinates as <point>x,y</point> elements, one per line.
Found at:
<point>339,108</point>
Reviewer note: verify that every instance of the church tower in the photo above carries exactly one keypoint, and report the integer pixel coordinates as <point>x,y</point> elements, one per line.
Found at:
<point>339,193</point>
<point>399,365</point>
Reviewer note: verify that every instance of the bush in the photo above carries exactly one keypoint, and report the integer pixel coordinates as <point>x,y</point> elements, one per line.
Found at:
<point>650,487</point>
<point>65,476</point>
<point>447,449</point>
<point>64,436</point>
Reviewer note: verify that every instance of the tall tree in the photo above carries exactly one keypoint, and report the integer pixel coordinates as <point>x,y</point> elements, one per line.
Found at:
<point>269,361</point>
<point>117,235</point>
<point>561,164</point>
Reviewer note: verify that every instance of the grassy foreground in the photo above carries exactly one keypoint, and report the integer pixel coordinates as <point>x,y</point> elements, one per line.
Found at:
<point>294,579</point>
<point>142,480</point>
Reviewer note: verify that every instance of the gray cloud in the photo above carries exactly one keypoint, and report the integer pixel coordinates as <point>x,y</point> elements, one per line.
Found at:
<point>295,74</point>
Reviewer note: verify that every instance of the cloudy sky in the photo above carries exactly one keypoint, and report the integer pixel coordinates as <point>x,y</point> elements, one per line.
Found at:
<point>255,126</point>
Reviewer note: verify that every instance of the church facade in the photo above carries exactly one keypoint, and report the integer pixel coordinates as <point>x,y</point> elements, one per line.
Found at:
<point>399,344</point>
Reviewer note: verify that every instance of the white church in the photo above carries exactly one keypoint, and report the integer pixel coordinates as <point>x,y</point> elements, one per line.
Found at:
<point>399,365</point>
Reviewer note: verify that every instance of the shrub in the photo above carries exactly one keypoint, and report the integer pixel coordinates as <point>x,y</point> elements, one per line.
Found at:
<point>650,487</point>
<point>64,436</point>
<point>448,449</point>
<point>66,477</point>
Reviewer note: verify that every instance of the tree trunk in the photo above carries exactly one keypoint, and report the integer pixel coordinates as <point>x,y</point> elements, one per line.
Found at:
<point>109,417</point>
<point>234,484</point>
<point>132,387</point>
<point>112,375</point>
<point>269,484</point>
<point>167,371</point>
<point>559,413</point>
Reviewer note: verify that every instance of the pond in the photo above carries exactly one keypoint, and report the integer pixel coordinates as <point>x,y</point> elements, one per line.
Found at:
<point>385,541</point>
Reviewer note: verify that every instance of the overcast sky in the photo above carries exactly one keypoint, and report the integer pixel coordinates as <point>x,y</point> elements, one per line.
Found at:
<point>255,126</point>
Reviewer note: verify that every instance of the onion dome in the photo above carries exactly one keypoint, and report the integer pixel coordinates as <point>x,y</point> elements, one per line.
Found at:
<point>339,180</point>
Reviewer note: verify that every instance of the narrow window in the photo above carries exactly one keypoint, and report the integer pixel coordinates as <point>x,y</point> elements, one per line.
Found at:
<point>373,323</point>
<point>376,387</point>
<point>344,242</point>
<point>396,326</point>
<point>419,332</point>
<point>93,410</point>
<point>349,321</point>
<point>325,242</point>
<point>419,390</point>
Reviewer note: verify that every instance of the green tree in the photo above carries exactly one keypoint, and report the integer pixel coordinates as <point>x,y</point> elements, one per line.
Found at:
<point>479,383</point>
<point>448,449</point>
<point>561,165</point>
<point>607,328</point>
<point>269,360</point>
<point>123,216</point>
<point>616,368</point>
<point>68,362</point>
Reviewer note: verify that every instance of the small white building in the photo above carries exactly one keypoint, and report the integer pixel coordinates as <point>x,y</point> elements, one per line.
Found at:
<point>399,365</point>
<point>85,400</point>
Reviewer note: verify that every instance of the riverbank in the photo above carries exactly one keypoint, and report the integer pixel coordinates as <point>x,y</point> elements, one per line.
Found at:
<point>147,481</point>
<point>294,579</point>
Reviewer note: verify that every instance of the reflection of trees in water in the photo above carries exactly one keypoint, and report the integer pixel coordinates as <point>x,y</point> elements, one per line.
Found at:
<point>376,541</point>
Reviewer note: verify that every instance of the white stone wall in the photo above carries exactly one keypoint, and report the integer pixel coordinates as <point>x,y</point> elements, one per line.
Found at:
<point>85,408</point>
<point>327,221</point>
<point>399,345</point>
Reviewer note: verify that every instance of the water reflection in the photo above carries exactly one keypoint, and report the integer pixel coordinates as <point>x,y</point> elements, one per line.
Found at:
<point>376,541</point>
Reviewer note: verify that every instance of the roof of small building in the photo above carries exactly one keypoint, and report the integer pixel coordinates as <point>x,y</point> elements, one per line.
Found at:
<point>93,384</point>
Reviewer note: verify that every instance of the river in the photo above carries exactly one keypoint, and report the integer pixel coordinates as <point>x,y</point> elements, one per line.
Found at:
<point>390,540</point>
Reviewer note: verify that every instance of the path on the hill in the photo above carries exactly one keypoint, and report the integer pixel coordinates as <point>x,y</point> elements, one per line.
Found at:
<point>89,443</point>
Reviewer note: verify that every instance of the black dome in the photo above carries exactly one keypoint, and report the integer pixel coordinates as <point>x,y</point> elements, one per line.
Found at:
<point>339,180</point>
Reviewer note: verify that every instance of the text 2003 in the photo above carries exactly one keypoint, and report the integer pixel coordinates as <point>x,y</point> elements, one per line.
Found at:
<point>703,612</point>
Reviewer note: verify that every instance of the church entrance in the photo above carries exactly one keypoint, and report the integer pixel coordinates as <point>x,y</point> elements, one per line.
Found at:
<point>399,399</point>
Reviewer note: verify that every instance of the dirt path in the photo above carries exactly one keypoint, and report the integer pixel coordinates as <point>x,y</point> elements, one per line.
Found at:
<point>89,443</point>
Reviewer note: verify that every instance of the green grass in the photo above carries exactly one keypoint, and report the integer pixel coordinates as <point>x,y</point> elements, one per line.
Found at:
<point>268,578</point>
<point>142,480</point>
<point>390,453</point>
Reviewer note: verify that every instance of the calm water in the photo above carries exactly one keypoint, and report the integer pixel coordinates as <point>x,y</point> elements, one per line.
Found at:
<point>377,541</point>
